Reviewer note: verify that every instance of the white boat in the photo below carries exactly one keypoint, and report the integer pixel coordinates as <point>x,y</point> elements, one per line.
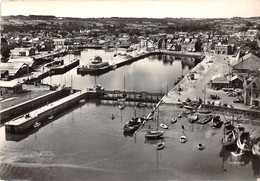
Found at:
<point>160,146</point>
<point>174,120</point>
<point>163,126</point>
<point>50,117</point>
<point>36,124</point>
<point>183,139</point>
<point>155,134</point>
<point>121,106</point>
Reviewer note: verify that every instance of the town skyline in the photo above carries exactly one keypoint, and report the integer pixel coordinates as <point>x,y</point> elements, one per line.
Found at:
<point>142,9</point>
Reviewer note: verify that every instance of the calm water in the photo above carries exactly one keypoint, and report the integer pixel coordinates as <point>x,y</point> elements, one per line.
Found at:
<point>151,74</point>
<point>85,144</point>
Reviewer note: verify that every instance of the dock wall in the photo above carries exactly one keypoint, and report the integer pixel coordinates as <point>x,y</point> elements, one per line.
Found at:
<point>30,105</point>
<point>52,109</point>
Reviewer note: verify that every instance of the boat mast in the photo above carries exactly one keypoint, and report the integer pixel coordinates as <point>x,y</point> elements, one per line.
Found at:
<point>157,120</point>
<point>124,82</point>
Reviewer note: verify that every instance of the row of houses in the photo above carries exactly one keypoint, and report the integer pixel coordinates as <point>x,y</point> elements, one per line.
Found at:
<point>245,73</point>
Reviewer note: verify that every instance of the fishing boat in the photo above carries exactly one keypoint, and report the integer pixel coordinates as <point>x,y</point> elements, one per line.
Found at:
<point>244,142</point>
<point>133,124</point>
<point>206,120</point>
<point>156,133</point>
<point>36,124</point>
<point>160,146</point>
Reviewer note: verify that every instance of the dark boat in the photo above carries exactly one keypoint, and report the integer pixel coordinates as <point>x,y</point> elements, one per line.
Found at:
<point>229,138</point>
<point>206,120</point>
<point>244,142</point>
<point>216,122</point>
<point>132,125</point>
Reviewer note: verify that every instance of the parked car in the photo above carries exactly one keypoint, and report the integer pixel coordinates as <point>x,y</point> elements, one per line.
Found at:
<point>215,97</point>
<point>238,100</point>
<point>232,94</point>
<point>254,107</point>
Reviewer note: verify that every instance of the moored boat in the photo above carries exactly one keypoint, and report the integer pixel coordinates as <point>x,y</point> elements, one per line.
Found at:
<point>256,147</point>
<point>160,146</point>
<point>36,124</point>
<point>174,120</point>
<point>244,142</point>
<point>96,66</point>
<point>133,124</point>
<point>154,134</point>
<point>164,126</point>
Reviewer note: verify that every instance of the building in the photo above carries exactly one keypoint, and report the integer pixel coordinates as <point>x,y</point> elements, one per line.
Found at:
<point>26,60</point>
<point>15,70</point>
<point>22,52</point>
<point>10,87</point>
<point>223,49</point>
<point>188,47</point>
<point>237,82</point>
<point>252,92</point>
<point>247,64</point>
<point>59,42</point>
<point>219,81</point>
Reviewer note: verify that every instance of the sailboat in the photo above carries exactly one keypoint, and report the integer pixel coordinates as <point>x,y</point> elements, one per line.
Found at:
<point>156,133</point>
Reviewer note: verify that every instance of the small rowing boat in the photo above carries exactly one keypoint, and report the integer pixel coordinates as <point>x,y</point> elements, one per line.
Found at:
<point>163,126</point>
<point>160,146</point>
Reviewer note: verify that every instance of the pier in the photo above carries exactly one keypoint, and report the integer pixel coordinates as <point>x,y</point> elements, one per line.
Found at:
<point>132,96</point>
<point>53,71</point>
<point>25,122</point>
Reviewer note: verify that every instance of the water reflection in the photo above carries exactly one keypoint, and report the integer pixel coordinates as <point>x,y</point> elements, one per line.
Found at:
<point>153,74</point>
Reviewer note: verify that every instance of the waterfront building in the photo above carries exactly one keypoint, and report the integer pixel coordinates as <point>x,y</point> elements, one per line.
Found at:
<point>10,87</point>
<point>252,92</point>
<point>15,70</point>
<point>247,64</point>
<point>219,81</point>
<point>22,52</point>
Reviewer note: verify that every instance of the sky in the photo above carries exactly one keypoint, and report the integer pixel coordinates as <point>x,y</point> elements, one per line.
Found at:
<point>133,8</point>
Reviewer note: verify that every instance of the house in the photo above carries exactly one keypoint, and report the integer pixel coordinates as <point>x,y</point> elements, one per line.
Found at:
<point>26,60</point>
<point>9,87</point>
<point>223,49</point>
<point>252,92</point>
<point>15,69</point>
<point>22,52</point>
<point>188,47</point>
<point>247,64</point>
<point>59,42</point>
<point>237,82</point>
<point>219,81</point>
